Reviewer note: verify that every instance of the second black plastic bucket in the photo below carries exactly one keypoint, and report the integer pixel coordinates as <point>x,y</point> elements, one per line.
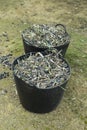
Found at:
<point>38,100</point>
<point>33,48</point>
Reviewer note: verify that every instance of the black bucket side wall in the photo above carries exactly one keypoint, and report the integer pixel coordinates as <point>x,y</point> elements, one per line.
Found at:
<point>38,100</point>
<point>29,48</point>
<point>63,49</point>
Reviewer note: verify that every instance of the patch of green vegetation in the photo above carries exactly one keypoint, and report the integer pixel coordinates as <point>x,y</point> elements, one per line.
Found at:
<point>77,54</point>
<point>47,128</point>
<point>13,28</point>
<point>4,83</point>
<point>84,119</point>
<point>7,4</point>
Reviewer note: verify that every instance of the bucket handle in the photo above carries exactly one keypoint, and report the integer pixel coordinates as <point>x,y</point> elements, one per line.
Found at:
<point>61,26</point>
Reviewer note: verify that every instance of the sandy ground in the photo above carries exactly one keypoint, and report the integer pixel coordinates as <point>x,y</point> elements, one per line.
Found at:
<point>15,16</point>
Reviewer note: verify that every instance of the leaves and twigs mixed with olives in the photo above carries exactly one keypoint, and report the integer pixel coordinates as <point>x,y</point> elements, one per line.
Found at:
<point>42,71</point>
<point>46,35</point>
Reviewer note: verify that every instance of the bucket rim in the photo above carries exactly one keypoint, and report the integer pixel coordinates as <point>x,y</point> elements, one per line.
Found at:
<point>47,88</point>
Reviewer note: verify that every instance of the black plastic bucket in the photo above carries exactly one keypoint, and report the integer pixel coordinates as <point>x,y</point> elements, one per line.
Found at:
<point>31,48</point>
<point>38,100</point>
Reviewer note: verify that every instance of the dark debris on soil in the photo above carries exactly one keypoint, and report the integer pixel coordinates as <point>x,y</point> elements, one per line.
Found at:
<point>4,36</point>
<point>6,61</point>
<point>4,75</point>
<point>3,91</point>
